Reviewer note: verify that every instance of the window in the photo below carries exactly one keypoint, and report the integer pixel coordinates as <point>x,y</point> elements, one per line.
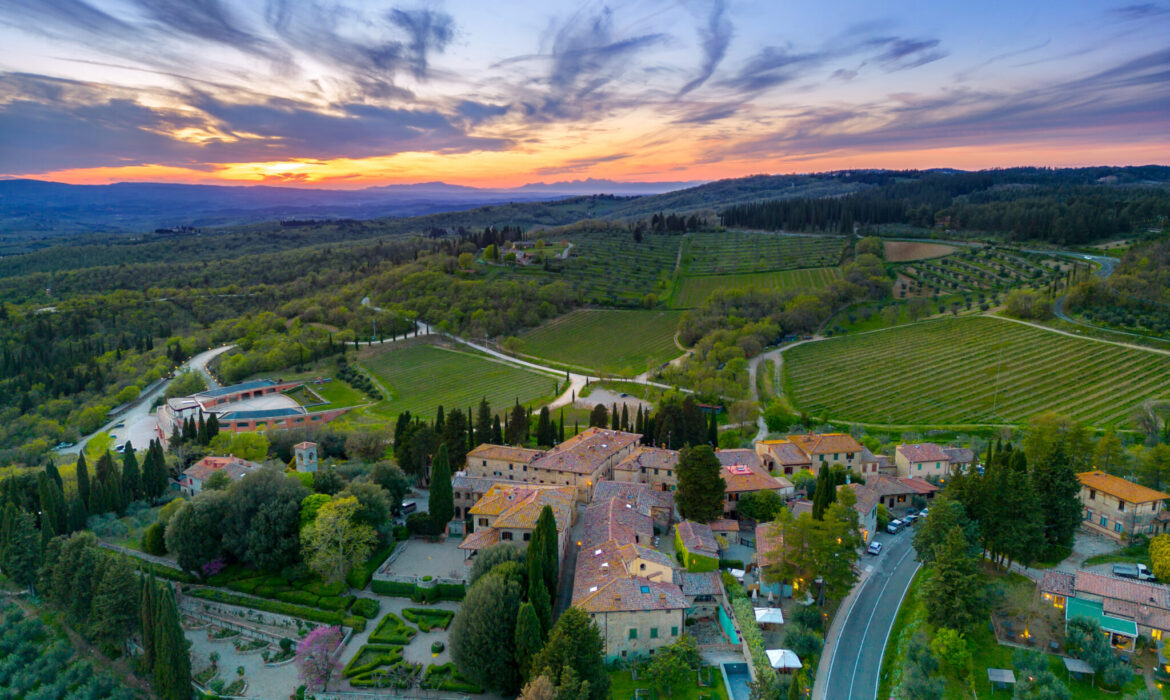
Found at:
<point>919,467</point>
<point>674,632</point>
<point>525,467</point>
<point>505,535</point>
<point>633,633</point>
<point>1117,526</point>
<point>668,472</point>
<point>1088,514</point>
<point>527,536</point>
<point>645,589</point>
<point>1155,634</point>
<point>655,472</point>
<point>483,522</point>
<point>485,462</point>
<point>1104,521</point>
<point>1121,505</point>
<point>653,633</point>
<point>834,456</point>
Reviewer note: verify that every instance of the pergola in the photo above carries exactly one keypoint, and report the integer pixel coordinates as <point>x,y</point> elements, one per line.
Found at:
<point>1076,666</point>
<point>1001,678</point>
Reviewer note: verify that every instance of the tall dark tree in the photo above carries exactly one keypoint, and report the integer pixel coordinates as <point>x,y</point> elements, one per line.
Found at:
<point>529,638</point>
<point>201,431</point>
<point>115,603</point>
<point>483,421</point>
<point>561,427</point>
<point>625,417</point>
<point>131,476</point>
<point>483,633</point>
<point>20,553</point>
<point>77,516</point>
<point>455,436</point>
<point>172,659</point>
<point>82,471</point>
<point>497,432</point>
<point>147,608</point>
<point>699,496</point>
<point>154,472</point>
<point>441,502</point>
<point>825,494</point>
<point>713,431</point>
<point>544,429</point>
<point>538,594</point>
<point>954,594</point>
<point>575,643</point>
<point>599,416</point>
<point>518,425</point>
<point>546,530</point>
<point>54,513</point>
<point>1056,485</point>
<point>212,427</point>
<point>614,419</point>
<point>51,470</point>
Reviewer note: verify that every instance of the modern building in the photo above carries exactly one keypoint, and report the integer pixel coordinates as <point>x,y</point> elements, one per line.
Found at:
<point>922,460</point>
<point>579,462</point>
<point>250,406</point>
<point>508,513</point>
<point>1120,509</point>
<point>195,476</point>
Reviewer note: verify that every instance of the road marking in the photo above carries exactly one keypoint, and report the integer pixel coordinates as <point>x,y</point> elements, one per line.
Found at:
<point>865,632</point>
<point>882,658</point>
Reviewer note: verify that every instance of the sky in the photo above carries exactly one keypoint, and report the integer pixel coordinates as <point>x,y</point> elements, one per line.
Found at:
<point>366,93</point>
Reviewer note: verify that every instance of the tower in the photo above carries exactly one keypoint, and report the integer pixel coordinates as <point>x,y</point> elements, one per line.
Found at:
<point>306,453</point>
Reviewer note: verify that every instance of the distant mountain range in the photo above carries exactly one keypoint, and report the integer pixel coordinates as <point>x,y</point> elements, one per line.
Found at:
<point>40,209</point>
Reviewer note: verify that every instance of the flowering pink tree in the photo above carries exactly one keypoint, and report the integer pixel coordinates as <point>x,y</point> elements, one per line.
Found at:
<point>315,656</point>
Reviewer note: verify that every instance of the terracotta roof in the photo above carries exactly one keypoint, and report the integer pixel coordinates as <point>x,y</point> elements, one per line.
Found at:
<point>739,456</point>
<point>740,478</point>
<point>867,498</point>
<point>518,506</point>
<point>305,445</point>
<point>1123,589</point>
<point>505,453</point>
<point>960,455</point>
<point>1060,583</point>
<point>650,458</point>
<point>601,582</point>
<point>631,552</point>
<point>827,443</point>
<point>1144,615</point>
<point>785,453</point>
<point>234,467</point>
<point>637,493</point>
<point>723,525</point>
<point>801,506</point>
<point>1119,488</point>
<point>922,452</point>
<point>476,484</point>
<point>698,583</point>
<point>918,486</point>
<point>480,539</point>
<point>585,452</point>
<point>697,538</point>
<point>888,485</point>
<point>616,519</point>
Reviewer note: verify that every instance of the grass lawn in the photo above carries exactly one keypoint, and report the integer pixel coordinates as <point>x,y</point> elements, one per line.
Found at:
<point>421,378</point>
<point>971,371</point>
<point>607,340</point>
<point>693,291</point>
<point>986,652</point>
<point>622,687</point>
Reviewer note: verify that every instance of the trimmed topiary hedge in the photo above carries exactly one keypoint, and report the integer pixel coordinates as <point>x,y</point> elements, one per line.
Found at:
<point>360,576</point>
<point>370,657</point>
<point>419,594</point>
<point>365,607</point>
<point>281,608</point>
<point>446,677</point>
<point>392,630</point>
<point>427,618</point>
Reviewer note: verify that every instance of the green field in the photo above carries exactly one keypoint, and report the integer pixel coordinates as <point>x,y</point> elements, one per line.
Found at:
<point>605,340</point>
<point>734,252</point>
<point>973,370</point>
<point>692,291</point>
<point>423,377</point>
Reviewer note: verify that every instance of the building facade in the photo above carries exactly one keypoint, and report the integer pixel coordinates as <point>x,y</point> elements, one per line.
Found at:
<point>1120,509</point>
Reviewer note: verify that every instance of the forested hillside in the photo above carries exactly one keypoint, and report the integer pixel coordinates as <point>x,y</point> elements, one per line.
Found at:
<point>1135,297</point>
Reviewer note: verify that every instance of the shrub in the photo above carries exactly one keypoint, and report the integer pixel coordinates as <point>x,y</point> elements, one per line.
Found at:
<point>401,532</point>
<point>153,541</point>
<point>437,647</point>
<point>335,602</point>
<point>370,657</point>
<point>447,677</point>
<point>398,589</point>
<point>281,608</point>
<point>360,575</point>
<point>421,524</point>
<point>296,597</point>
<point>365,607</point>
<point>730,564</point>
<point>392,630</point>
<point>426,618</point>
<point>323,589</point>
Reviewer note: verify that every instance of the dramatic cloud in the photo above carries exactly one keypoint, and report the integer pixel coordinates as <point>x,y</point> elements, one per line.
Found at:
<point>716,35</point>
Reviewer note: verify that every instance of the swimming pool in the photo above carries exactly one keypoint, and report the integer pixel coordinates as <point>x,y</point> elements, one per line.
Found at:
<point>736,677</point>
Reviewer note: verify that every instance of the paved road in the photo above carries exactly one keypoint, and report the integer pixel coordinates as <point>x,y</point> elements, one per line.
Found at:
<point>854,663</point>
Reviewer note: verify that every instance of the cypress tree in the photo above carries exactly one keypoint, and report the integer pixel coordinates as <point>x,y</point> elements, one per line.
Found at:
<point>441,501</point>
<point>529,638</point>
<point>497,432</point>
<point>614,418</point>
<point>713,431</point>
<point>538,593</point>
<point>201,432</point>
<point>561,427</point>
<point>212,427</point>
<point>53,515</point>
<point>146,623</point>
<point>483,422</point>
<point>51,470</point>
<point>131,477</point>
<point>826,493</point>
<point>171,655</point>
<point>440,421</point>
<point>83,479</point>
<point>544,430</point>
<point>625,418</point>
<point>77,515</point>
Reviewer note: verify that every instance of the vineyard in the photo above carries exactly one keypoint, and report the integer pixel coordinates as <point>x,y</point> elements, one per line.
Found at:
<point>973,271</point>
<point>692,291</point>
<point>735,252</point>
<point>423,377</point>
<point>606,340</point>
<point>974,370</point>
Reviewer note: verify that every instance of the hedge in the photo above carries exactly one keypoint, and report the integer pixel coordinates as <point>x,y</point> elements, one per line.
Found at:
<point>447,677</point>
<point>730,564</point>
<point>371,657</point>
<point>426,618</point>
<point>359,576</point>
<point>419,594</point>
<point>366,607</point>
<point>282,608</point>
<point>392,630</point>
<point>746,617</point>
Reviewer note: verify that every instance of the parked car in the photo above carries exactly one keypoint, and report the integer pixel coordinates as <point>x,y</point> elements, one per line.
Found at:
<point>925,512</point>
<point>909,518</point>
<point>875,548</point>
<point>121,448</point>
<point>911,511</point>
<point>409,507</point>
<point>1138,571</point>
<point>895,526</point>
<point>63,445</point>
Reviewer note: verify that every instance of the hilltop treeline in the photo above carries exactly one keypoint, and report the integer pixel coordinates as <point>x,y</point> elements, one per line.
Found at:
<point>1055,206</point>
<point>1136,296</point>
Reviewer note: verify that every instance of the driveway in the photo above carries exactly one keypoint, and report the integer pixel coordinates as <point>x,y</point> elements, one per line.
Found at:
<point>852,667</point>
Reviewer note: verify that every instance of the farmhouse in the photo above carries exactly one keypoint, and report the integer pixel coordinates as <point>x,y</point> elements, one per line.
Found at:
<point>618,520</point>
<point>783,456</point>
<point>1124,608</point>
<point>579,462</point>
<point>899,492</point>
<point>703,592</point>
<point>1120,509</point>
<point>866,507</point>
<point>193,477</point>
<point>467,490</point>
<point>508,513</point>
<point>727,528</point>
<point>649,465</point>
<point>695,544</point>
<point>740,479</point>
<point>660,503</point>
<point>921,460</point>
<point>961,458</point>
